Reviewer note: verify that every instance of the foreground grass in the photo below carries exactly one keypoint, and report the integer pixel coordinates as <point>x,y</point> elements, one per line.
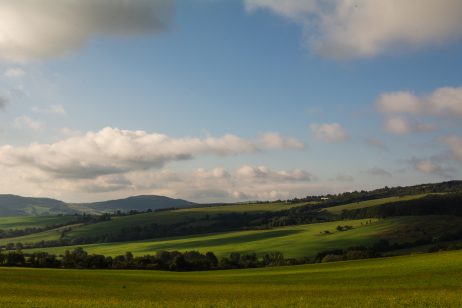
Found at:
<point>424,280</point>
<point>294,241</point>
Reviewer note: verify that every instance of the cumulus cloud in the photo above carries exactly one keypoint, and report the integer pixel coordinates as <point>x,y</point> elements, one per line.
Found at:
<point>400,125</point>
<point>331,133</point>
<point>350,29</point>
<point>446,101</point>
<point>455,144</point>
<point>115,151</point>
<point>112,151</point>
<point>431,166</point>
<point>14,72</point>
<point>27,122</point>
<point>32,29</point>
<point>276,141</point>
<point>263,173</point>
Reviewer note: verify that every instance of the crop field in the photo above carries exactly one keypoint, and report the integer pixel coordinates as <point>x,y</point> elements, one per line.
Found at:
<point>294,241</point>
<point>23,222</point>
<point>369,203</point>
<point>423,280</point>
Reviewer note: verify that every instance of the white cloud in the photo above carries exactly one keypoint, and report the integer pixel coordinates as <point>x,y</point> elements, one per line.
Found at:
<point>364,28</point>
<point>455,144</point>
<point>114,160</point>
<point>27,122</point>
<point>446,101</point>
<point>398,125</point>
<point>32,29</point>
<point>113,151</point>
<point>432,166</point>
<point>262,173</point>
<point>14,72</point>
<point>331,133</point>
<point>276,141</point>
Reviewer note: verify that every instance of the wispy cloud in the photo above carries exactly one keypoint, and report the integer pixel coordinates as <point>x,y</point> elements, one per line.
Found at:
<point>329,132</point>
<point>14,72</point>
<point>25,121</point>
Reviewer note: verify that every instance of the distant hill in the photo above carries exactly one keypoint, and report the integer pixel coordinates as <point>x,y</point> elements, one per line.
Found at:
<point>13,205</point>
<point>139,203</point>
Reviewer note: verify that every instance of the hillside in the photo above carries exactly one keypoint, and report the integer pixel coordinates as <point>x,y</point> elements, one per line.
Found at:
<point>139,203</point>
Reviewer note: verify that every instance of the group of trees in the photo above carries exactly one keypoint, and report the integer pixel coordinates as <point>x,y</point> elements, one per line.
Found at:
<point>163,260</point>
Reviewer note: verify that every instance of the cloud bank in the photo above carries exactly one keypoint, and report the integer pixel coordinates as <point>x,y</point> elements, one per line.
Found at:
<point>116,151</point>
<point>32,29</point>
<point>341,29</point>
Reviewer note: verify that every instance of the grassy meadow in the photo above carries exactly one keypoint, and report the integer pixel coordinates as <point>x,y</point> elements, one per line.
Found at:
<point>423,280</point>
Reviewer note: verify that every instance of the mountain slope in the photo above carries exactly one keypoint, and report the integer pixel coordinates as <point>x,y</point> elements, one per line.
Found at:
<point>139,203</point>
<point>12,205</point>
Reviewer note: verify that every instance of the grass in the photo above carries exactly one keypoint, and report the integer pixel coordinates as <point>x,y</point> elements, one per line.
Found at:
<point>23,222</point>
<point>424,280</point>
<point>369,203</point>
<point>294,241</point>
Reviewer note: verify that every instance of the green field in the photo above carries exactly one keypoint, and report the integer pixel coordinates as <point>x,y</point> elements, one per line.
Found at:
<point>424,280</point>
<point>369,203</point>
<point>294,241</point>
<point>23,222</point>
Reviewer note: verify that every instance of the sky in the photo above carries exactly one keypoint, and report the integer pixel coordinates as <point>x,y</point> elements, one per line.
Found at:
<point>227,100</point>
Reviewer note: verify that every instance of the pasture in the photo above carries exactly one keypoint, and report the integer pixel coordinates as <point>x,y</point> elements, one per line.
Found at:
<point>423,280</point>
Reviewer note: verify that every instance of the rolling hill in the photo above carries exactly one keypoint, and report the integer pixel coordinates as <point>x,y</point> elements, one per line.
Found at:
<point>13,205</point>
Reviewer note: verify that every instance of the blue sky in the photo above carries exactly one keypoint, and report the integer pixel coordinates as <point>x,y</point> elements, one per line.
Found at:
<point>228,100</point>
